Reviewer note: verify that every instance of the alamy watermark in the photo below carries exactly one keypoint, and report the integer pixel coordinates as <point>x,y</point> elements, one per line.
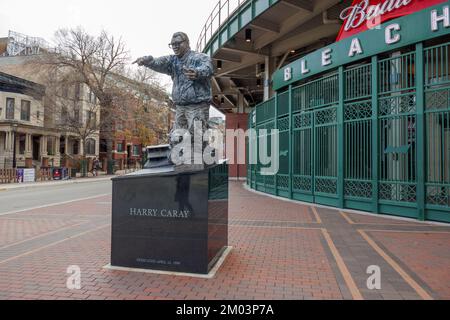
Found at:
<point>374,281</point>
<point>74,280</point>
<point>210,147</point>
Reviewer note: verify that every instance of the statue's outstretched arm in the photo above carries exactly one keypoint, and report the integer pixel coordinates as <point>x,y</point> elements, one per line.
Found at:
<point>162,65</point>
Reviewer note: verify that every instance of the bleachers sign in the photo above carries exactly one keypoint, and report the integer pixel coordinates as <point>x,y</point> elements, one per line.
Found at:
<point>423,25</point>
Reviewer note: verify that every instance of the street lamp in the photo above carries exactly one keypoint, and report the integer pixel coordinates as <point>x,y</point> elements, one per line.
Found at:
<point>14,129</point>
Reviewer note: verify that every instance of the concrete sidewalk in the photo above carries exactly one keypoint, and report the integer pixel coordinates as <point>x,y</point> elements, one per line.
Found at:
<point>102,177</point>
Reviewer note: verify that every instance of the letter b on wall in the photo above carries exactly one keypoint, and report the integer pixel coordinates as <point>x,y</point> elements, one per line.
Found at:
<point>287,74</point>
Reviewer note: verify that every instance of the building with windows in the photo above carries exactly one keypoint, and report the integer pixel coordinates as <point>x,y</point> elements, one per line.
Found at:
<point>69,110</point>
<point>24,140</point>
<point>144,118</point>
<point>49,140</point>
<point>359,92</point>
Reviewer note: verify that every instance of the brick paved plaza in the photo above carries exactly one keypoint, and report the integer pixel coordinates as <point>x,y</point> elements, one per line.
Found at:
<point>281,250</point>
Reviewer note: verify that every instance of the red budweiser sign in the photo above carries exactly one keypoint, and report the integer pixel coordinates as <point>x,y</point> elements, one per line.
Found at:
<point>366,14</point>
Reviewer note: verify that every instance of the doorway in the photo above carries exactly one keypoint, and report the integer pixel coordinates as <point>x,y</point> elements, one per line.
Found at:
<point>36,147</point>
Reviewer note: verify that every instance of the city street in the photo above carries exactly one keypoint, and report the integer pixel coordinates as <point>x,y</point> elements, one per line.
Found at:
<point>27,198</point>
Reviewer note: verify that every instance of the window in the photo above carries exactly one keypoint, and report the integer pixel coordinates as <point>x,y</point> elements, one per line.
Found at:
<point>103,145</point>
<point>76,147</point>
<point>92,97</point>
<point>65,91</point>
<point>76,114</point>
<point>136,150</point>
<point>64,115</point>
<point>22,144</point>
<point>91,119</point>
<point>25,109</point>
<point>51,146</point>
<point>90,146</point>
<point>119,125</point>
<point>9,108</point>
<point>120,147</point>
<point>38,115</point>
<point>77,91</point>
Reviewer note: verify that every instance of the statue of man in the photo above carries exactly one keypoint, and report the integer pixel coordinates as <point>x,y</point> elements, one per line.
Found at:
<point>191,74</point>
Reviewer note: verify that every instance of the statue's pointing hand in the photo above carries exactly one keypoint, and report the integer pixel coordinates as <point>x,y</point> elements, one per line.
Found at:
<point>143,60</point>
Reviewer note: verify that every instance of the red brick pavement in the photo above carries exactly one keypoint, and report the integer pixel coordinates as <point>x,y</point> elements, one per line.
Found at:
<point>293,268</point>
<point>13,230</point>
<point>90,207</point>
<point>426,254</point>
<point>252,206</point>
<point>291,260</point>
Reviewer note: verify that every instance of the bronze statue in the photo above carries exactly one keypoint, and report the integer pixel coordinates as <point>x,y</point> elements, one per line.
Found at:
<point>191,74</point>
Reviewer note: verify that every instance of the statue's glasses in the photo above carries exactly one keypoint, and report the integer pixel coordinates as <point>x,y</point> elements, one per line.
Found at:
<point>176,44</point>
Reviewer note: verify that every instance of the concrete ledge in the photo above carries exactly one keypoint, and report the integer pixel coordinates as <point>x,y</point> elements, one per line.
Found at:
<point>363,213</point>
<point>210,275</point>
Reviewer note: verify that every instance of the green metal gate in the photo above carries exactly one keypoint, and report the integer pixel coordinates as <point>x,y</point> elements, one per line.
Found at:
<point>397,114</point>
<point>373,136</point>
<point>358,112</point>
<point>437,123</point>
<point>314,148</point>
<point>303,141</point>
<point>325,156</point>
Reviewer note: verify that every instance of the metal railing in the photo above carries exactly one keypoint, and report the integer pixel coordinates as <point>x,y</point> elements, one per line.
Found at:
<point>222,11</point>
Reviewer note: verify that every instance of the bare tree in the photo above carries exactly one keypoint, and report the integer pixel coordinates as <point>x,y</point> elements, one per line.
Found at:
<point>68,112</point>
<point>147,106</point>
<point>128,96</point>
<point>152,118</point>
<point>93,61</point>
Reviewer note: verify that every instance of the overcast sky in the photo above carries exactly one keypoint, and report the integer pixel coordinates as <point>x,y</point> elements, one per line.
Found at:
<point>146,26</point>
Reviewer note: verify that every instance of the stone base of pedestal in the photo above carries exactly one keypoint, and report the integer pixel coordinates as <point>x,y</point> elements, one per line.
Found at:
<point>168,221</point>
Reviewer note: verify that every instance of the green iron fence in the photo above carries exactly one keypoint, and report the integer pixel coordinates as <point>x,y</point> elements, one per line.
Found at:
<point>373,136</point>
<point>437,123</point>
<point>358,176</point>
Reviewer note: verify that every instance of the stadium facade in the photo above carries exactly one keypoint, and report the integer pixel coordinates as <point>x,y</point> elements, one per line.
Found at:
<point>358,90</point>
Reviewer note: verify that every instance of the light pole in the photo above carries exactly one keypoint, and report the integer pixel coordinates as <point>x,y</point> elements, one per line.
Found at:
<point>14,129</point>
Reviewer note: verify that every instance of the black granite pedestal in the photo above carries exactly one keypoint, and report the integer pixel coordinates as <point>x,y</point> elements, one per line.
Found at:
<point>168,221</point>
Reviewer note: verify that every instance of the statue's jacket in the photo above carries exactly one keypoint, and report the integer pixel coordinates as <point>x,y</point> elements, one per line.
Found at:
<point>185,91</point>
